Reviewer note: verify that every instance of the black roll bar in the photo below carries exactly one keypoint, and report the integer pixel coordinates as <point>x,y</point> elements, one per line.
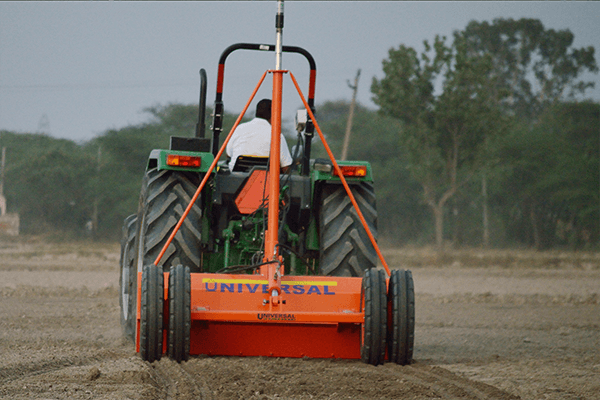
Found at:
<point>217,126</point>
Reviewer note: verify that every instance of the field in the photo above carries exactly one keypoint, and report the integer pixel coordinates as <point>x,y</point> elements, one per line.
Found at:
<point>490,325</point>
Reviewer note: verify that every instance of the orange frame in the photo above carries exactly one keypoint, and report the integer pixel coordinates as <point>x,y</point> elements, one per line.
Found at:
<point>269,314</point>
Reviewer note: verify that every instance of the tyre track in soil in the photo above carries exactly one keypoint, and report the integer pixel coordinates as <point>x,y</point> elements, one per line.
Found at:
<point>450,386</point>
<point>35,368</point>
<point>176,382</point>
<point>421,381</point>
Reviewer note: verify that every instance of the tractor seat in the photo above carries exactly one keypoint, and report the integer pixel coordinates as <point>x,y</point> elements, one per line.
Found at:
<point>245,163</point>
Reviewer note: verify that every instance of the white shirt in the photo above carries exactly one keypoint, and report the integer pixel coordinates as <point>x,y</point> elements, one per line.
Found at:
<point>253,138</point>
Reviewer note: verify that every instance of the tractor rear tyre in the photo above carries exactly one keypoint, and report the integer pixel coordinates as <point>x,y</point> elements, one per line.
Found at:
<point>165,196</point>
<point>178,336</point>
<point>128,278</point>
<point>374,306</point>
<point>151,310</point>
<point>346,249</point>
<point>401,335</point>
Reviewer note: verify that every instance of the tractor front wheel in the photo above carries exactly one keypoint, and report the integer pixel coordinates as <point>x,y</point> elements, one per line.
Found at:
<point>178,337</point>
<point>151,323</point>
<point>401,335</point>
<point>374,307</point>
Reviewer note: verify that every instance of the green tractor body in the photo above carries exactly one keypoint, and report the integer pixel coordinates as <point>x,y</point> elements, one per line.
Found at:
<point>320,233</point>
<point>219,236</point>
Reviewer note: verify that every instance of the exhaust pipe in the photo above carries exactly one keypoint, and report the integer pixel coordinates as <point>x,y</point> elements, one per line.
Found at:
<point>200,127</point>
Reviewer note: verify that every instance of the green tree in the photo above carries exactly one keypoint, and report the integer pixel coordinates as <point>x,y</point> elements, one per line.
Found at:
<point>553,172</point>
<point>57,185</point>
<point>574,182</point>
<point>45,182</point>
<point>445,132</point>
<point>540,70</point>
<point>125,155</point>
<point>402,216</point>
<point>538,66</point>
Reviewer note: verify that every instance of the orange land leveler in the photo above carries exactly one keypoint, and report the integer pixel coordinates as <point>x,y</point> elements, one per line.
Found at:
<point>258,263</point>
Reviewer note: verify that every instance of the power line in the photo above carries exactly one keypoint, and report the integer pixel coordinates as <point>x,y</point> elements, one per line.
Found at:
<point>91,86</point>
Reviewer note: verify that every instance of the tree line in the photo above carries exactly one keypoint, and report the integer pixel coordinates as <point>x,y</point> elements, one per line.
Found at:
<point>484,139</point>
<point>69,190</point>
<point>497,93</point>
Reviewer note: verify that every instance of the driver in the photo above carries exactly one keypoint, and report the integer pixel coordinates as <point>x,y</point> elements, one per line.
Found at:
<point>253,138</point>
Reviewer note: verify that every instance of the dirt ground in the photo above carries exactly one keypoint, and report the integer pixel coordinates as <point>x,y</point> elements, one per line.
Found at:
<point>490,325</point>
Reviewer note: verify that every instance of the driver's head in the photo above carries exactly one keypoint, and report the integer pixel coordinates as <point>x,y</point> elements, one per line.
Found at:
<point>263,109</point>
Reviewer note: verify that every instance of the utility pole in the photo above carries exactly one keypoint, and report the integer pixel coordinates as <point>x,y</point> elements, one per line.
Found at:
<point>2,198</point>
<point>44,125</point>
<point>9,222</point>
<point>2,171</point>
<point>95,205</point>
<point>350,115</point>
<point>486,229</point>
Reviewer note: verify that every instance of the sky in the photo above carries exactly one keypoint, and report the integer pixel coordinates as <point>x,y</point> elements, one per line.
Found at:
<point>77,69</point>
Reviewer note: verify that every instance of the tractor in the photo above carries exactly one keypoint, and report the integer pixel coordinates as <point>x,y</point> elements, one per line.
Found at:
<point>253,263</point>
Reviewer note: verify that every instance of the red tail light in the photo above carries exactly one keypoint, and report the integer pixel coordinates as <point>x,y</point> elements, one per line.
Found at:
<point>183,161</point>
<point>353,170</point>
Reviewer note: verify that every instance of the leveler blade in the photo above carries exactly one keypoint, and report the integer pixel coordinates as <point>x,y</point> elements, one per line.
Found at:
<point>237,315</point>
<point>231,315</point>
<point>318,317</point>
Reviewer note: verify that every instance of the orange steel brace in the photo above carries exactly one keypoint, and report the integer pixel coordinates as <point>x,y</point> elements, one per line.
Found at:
<point>273,270</point>
<point>339,172</point>
<point>210,170</point>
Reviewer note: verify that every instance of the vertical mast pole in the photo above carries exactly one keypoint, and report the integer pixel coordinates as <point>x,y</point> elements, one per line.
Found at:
<point>279,29</point>
<point>273,271</point>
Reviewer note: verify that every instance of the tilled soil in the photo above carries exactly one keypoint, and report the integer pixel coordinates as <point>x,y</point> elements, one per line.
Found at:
<point>490,325</point>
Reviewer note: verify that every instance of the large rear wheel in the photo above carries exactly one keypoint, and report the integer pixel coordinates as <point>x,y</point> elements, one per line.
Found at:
<point>374,328</point>
<point>151,313</point>
<point>165,196</point>
<point>128,278</point>
<point>401,335</point>
<point>178,336</point>
<point>346,249</point>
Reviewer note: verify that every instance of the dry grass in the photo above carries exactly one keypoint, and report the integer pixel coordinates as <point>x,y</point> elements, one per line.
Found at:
<point>407,257</point>
<point>396,257</point>
<point>28,246</point>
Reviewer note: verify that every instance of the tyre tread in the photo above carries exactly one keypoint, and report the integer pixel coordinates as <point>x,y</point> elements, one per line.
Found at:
<point>373,342</point>
<point>179,313</point>
<point>346,249</point>
<point>151,321</point>
<point>165,196</point>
